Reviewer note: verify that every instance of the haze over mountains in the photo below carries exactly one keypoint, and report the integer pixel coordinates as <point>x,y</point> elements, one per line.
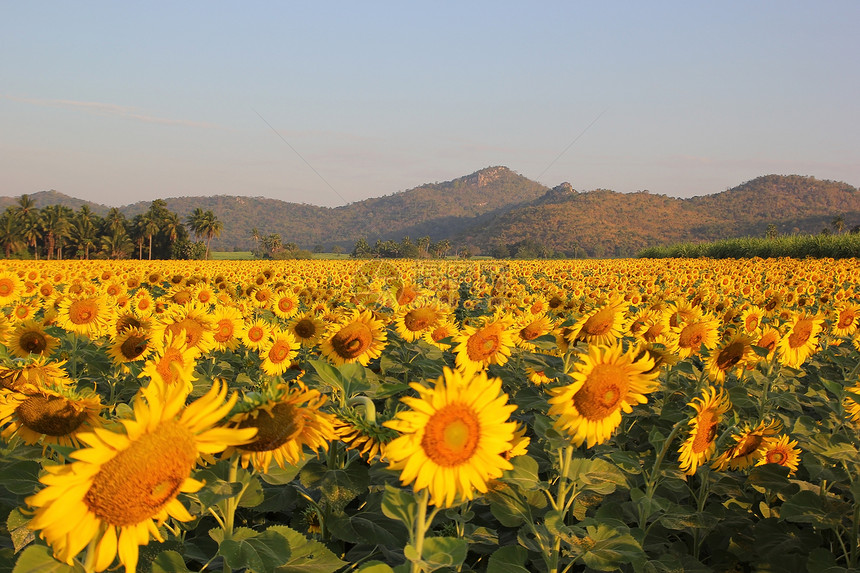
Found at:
<point>496,206</point>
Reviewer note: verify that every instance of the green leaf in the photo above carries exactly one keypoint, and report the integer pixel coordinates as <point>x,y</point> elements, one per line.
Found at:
<point>260,552</point>
<point>16,525</point>
<point>771,477</point>
<point>253,494</point>
<point>169,562</point>
<point>367,527</point>
<point>510,559</point>
<point>38,559</point>
<point>375,567</point>
<point>400,505</point>
<point>808,507</point>
<point>306,555</point>
<point>524,474</point>
<point>20,477</point>
<point>444,551</point>
<point>596,475</point>
<point>606,550</point>
<point>348,379</point>
<point>281,476</point>
<point>339,487</point>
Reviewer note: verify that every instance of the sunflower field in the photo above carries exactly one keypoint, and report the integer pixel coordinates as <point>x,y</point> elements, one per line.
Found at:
<point>407,416</point>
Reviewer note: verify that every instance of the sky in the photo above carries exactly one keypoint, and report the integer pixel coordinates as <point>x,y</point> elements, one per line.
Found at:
<point>329,103</point>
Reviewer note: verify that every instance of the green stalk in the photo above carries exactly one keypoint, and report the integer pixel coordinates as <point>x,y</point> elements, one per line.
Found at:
<point>653,477</point>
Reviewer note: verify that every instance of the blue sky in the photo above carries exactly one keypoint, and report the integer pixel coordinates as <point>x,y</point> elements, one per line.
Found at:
<point>333,102</point>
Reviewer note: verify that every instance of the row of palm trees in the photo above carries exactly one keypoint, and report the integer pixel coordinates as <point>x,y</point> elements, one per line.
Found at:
<point>58,232</point>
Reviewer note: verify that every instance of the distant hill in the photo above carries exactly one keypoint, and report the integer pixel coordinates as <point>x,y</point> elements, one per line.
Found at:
<point>496,206</point>
<point>606,223</point>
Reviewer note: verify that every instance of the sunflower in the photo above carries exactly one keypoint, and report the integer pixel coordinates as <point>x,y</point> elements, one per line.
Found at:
<point>701,443</point>
<point>285,304</point>
<point>33,374</point>
<point>286,419</point>
<point>51,416</point>
<point>125,485</point>
<point>606,382</point>
<point>443,330</point>
<point>751,319</point>
<point>800,341</point>
<point>769,340</point>
<point>537,376</point>
<point>142,303</point>
<point>173,364</point>
<point>733,355</point>
<point>454,437</point>
<point>603,325</point>
<point>22,311</point>
<point>130,345</point>
<point>307,329</point>
<point>748,442</point>
<point>370,439</point>
<point>85,315</point>
<point>255,333</point>
<point>278,352</point>
<point>358,337</point>
<point>530,327</point>
<point>226,326</point>
<point>846,319</point>
<point>852,406</point>
<point>688,339</point>
<point>781,452</point>
<point>479,346</point>
<point>30,337</point>
<point>414,320</point>
<point>194,320</point>
<point>11,288</point>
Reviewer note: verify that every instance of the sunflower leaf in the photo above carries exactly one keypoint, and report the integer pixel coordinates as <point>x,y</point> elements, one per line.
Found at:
<point>169,562</point>
<point>400,505</point>
<point>305,555</point>
<point>38,559</point>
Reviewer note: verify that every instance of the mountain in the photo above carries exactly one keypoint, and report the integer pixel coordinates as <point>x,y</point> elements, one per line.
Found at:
<point>45,198</point>
<point>496,206</point>
<point>606,223</point>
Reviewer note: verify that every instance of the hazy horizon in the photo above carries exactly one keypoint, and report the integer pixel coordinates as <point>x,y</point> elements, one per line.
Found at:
<point>329,104</point>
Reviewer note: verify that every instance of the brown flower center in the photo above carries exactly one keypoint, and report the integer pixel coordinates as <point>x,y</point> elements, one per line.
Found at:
<point>352,340</point>
<point>50,415</point>
<point>603,391</point>
<point>275,429</point>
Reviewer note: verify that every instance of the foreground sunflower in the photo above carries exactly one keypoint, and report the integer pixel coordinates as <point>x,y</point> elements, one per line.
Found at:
<point>453,438</point>
<point>286,419</point>
<point>478,347</point>
<point>125,485</point>
<point>30,337</point>
<point>50,416</point>
<point>701,443</point>
<point>358,337</point>
<point>607,381</point>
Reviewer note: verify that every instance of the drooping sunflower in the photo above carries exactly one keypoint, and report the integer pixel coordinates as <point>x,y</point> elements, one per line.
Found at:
<point>852,406</point>
<point>701,443</point>
<point>607,381</point>
<point>369,438</point>
<point>769,340</point>
<point>278,352</point>
<point>746,449</point>
<point>604,325</point>
<point>454,437</point>
<point>414,320</point>
<point>800,340</point>
<point>86,315</point>
<point>173,363</point>
<point>30,337</point>
<point>479,346</point>
<point>734,354</point>
<point>782,452</point>
<point>122,487</point>
<point>307,328</point>
<point>52,416</point>
<point>530,327</point>
<point>687,339</point>
<point>130,345</point>
<point>32,374</point>
<point>287,419</point>
<point>358,337</point>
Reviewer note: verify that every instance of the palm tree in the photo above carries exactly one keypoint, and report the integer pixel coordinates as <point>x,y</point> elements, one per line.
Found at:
<point>83,231</point>
<point>147,226</point>
<point>116,245</point>
<point>115,220</point>
<point>32,232</point>
<point>10,231</point>
<point>55,225</point>
<point>205,224</point>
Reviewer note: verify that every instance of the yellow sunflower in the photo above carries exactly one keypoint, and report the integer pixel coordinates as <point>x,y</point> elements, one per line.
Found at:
<point>33,374</point>
<point>226,326</point>
<point>125,485</point>
<point>173,364</point>
<point>29,337</point>
<point>845,323</point>
<point>11,288</point>
<point>286,419</point>
<point>443,330</point>
<point>51,416</point>
<point>255,333</point>
<point>687,339</point>
<point>852,407</point>
<point>603,325</point>
<point>751,318</point>
<point>130,345</point>
<point>800,340</point>
<point>734,354</point>
<point>607,381</point>
<point>782,452</point>
<point>414,320</point>
<point>701,443</point>
<point>85,315</point>
<point>358,337</point>
<point>307,329</point>
<point>194,320</point>
<point>769,340</point>
<point>278,352</point>
<point>479,346</point>
<point>286,304</point>
<point>529,327</point>
<point>454,437</point>
<point>745,451</point>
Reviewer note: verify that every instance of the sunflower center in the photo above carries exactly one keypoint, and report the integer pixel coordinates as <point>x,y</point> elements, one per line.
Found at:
<point>800,333</point>
<point>50,415</point>
<point>193,330</point>
<point>483,344</point>
<point>751,323</point>
<point>531,331</point>
<point>652,333</point>
<point>706,431</point>
<point>846,317</point>
<point>255,334</point>
<point>691,336</point>
<point>6,287</point>
<point>748,445</point>
<point>275,429</point>
<point>776,457</point>
<point>279,351</point>
<point>600,323</point>
<point>730,355</point>
<point>451,435</point>
<point>223,330</point>
<point>352,340</point>
<point>170,364</point>
<point>33,342</point>
<point>602,393</point>
<point>139,481</point>
<point>305,328</point>
<point>82,311</point>
<point>285,304</point>
<point>419,319</point>
<point>439,333</point>
<point>133,346</point>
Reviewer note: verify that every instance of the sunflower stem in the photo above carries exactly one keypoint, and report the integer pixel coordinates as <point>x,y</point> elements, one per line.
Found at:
<point>369,407</point>
<point>653,477</point>
<point>230,505</point>
<point>420,530</point>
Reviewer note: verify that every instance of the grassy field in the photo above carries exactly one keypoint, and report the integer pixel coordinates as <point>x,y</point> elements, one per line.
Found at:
<point>794,246</point>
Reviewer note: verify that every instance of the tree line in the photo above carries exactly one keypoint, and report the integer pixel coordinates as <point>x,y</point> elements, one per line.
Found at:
<point>60,232</point>
<point>424,248</point>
